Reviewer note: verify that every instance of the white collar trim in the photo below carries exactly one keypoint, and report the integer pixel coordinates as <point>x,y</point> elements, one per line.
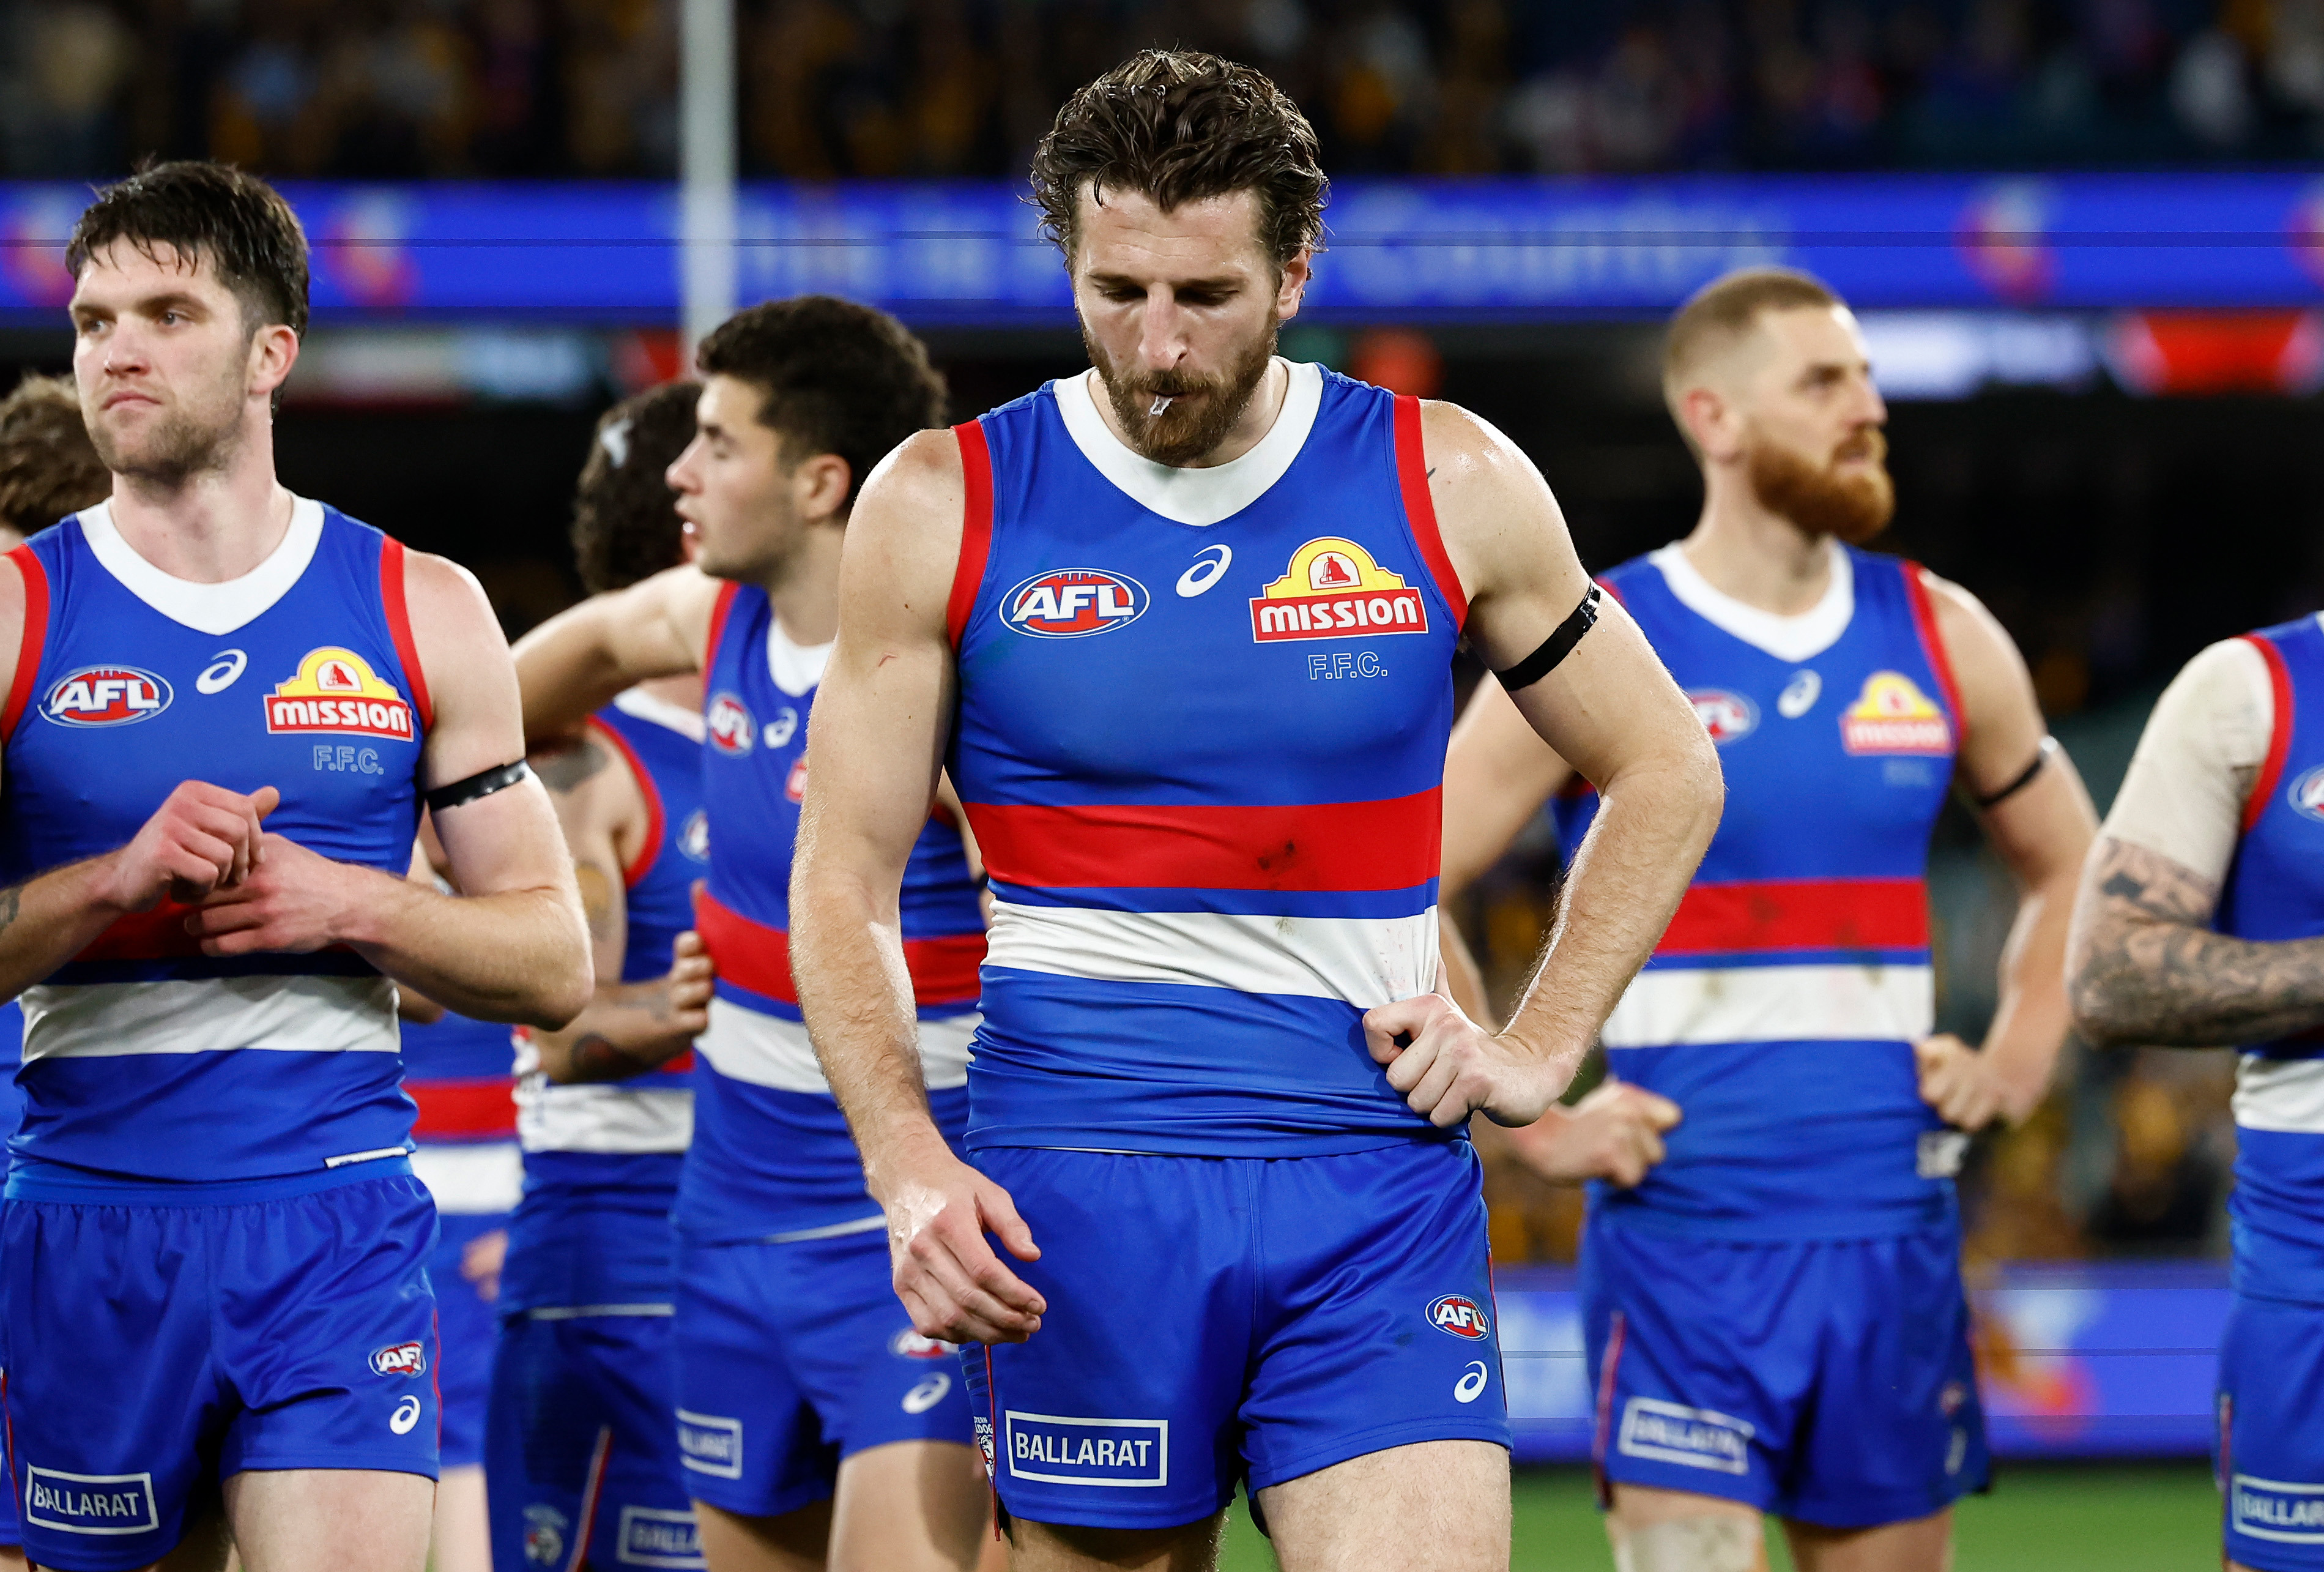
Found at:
<point>208,609</point>
<point>644,706</point>
<point>796,668</point>
<point>1201,497</point>
<point>1786,638</point>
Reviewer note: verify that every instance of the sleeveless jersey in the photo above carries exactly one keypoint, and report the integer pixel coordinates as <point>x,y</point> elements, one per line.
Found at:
<point>457,1072</point>
<point>771,1156</point>
<point>145,1059</point>
<point>1200,739</point>
<point>602,1160</point>
<point>1780,1007</point>
<point>2274,890</point>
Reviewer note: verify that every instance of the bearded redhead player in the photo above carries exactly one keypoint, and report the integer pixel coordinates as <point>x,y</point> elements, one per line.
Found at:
<point>1181,630</point>
<point>1774,1314</point>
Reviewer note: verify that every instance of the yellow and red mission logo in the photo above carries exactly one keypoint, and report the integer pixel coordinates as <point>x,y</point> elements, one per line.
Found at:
<point>1892,717</point>
<point>1334,590</point>
<point>336,690</point>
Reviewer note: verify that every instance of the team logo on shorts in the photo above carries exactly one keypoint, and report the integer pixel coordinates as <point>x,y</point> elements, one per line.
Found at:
<point>106,696</point>
<point>544,1535</point>
<point>1724,715</point>
<point>1892,717</point>
<point>400,1359</point>
<point>908,1344</point>
<point>1334,590</point>
<point>1072,603</point>
<point>731,729</point>
<point>1461,1316</point>
<point>336,690</point>
<point>2307,793</point>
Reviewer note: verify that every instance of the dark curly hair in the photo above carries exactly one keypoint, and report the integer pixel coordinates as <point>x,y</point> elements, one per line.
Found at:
<point>1178,126</point>
<point>624,525</point>
<point>236,222</point>
<point>48,467</point>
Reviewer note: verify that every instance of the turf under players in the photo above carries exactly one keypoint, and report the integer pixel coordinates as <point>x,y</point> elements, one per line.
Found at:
<point>224,705</point>
<point>1181,629</point>
<point>2202,922</point>
<point>583,1455</point>
<point>812,1421</point>
<point>1775,1315</point>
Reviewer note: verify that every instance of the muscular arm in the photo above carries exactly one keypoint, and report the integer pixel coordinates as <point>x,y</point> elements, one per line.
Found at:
<point>572,665</point>
<point>1498,773</point>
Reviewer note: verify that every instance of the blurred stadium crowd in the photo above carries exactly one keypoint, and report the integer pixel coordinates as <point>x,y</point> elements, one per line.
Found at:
<point>882,88</point>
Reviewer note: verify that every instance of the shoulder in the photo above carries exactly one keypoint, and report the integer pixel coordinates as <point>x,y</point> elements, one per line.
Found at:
<point>1464,448</point>
<point>910,515</point>
<point>441,590</point>
<point>2230,686</point>
<point>1967,630</point>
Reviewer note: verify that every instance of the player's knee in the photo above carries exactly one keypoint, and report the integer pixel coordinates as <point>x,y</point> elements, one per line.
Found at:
<point>1712,1543</point>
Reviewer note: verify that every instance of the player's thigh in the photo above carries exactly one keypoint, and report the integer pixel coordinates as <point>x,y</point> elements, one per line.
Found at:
<point>350,1520</point>
<point>751,1440</point>
<point>1072,1548</point>
<point>911,1506</point>
<point>791,1541</point>
<point>1432,1506</point>
<point>461,1539</point>
<point>1653,1529</point>
<point>1920,1545</point>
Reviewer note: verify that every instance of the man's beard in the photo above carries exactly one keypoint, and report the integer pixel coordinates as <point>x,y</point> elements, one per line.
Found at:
<point>1821,499</point>
<point>178,447</point>
<point>1189,429</point>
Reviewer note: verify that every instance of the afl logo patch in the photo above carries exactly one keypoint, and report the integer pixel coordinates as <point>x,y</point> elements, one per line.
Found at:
<point>908,1344</point>
<point>106,696</point>
<point>1460,1316</point>
<point>400,1359</point>
<point>1724,715</point>
<point>731,729</point>
<point>1071,603</point>
<point>2307,793</point>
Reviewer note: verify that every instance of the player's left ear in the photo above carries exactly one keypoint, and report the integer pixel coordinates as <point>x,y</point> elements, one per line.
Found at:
<point>821,486</point>
<point>274,351</point>
<point>1292,288</point>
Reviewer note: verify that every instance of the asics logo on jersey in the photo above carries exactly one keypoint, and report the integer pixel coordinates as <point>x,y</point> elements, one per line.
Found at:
<point>1892,717</point>
<point>220,674</point>
<point>106,696</point>
<point>1209,564</point>
<point>1334,590</point>
<point>400,1359</point>
<point>2307,793</point>
<point>1072,603</point>
<point>1460,1316</point>
<point>731,729</point>
<point>1727,716</point>
<point>336,690</point>
<point>1799,695</point>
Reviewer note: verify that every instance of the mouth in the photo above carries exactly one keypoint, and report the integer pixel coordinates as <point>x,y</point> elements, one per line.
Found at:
<point>127,396</point>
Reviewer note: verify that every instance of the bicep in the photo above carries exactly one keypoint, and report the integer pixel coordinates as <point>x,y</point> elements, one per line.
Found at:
<point>2001,721</point>
<point>1497,772</point>
<point>1611,704</point>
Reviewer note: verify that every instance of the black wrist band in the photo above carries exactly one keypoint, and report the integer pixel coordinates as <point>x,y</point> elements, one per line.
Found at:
<point>483,783</point>
<point>2024,777</point>
<point>1555,648</point>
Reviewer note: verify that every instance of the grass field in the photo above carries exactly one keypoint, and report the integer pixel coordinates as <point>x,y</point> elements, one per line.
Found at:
<point>2136,1518</point>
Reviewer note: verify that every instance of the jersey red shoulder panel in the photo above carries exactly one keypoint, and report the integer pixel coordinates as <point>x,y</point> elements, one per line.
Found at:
<point>656,828</point>
<point>718,610</point>
<point>1925,619</point>
<point>1411,475</point>
<point>975,526</point>
<point>2279,740</point>
<point>35,641</point>
<point>398,627</point>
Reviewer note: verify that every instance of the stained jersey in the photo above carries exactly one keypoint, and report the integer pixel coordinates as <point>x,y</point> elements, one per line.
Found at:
<point>2274,890</point>
<point>772,1157</point>
<point>1201,738</point>
<point>1780,1008</point>
<point>602,1160</point>
<point>143,1059</point>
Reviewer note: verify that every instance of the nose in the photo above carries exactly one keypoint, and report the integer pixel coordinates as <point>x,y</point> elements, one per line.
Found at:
<point>1161,336</point>
<point>1871,408</point>
<point>679,476</point>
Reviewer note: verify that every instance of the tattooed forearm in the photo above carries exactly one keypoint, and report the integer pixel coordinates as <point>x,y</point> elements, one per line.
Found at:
<point>2145,967</point>
<point>11,899</point>
<point>563,769</point>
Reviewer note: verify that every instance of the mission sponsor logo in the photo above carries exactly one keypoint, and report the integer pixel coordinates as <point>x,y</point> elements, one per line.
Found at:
<point>1460,1316</point>
<point>90,1503</point>
<point>1126,1454</point>
<point>1892,717</point>
<point>1727,716</point>
<point>1669,1432</point>
<point>1334,590</point>
<point>728,721</point>
<point>400,1359</point>
<point>1072,603</point>
<point>336,690</point>
<point>106,696</point>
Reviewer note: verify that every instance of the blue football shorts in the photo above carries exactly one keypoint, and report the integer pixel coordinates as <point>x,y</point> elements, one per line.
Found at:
<point>2271,1448</point>
<point>583,1455</point>
<point>1213,1320</point>
<point>155,1348</point>
<point>467,1326</point>
<point>1825,1380</point>
<point>793,1357</point>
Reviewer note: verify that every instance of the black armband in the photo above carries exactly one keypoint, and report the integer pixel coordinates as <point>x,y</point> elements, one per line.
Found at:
<point>483,783</point>
<point>2024,777</point>
<point>1555,648</point>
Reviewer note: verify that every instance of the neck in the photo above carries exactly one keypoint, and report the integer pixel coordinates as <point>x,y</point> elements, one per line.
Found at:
<point>210,526</point>
<point>1258,418</point>
<point>805,588</point>
<point>1757,557</point>
<point>686,692</point>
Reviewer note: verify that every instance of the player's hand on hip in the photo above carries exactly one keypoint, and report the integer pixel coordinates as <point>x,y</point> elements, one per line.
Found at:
<point>292,900</point>
<point>1966,1085</point>
<point>1615,1133</point>
<point>203,837</point>
<point>945,1270</point>
<point>1448,1067</point>
<point>689,985</point>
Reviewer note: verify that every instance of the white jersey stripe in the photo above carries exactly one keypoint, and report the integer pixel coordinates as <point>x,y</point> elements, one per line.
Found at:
<point>1366,961</point>
<point>1673,1005</point>
<point>210,1015</point>
<point>767,1050</point>
<point>610,1118</point>
<point>477,1179</point>
<point>2280,1093</point>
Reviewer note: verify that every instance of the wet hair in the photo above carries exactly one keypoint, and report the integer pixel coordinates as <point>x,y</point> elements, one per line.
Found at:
<point>48,467</point>
<point>1722,312</point>
<point>236,222</point>
<point>625,522</point>
<point>1179,126</point>
<point>834,377</point>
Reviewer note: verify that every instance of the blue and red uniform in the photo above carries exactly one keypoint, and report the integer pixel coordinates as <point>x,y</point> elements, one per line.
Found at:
<point>1200,739</point>
<point>792,1350</point>
<point>2272,1350</point>
<point>1775,1314</point>
<point>212,1253</point>
<point>585,1465</point>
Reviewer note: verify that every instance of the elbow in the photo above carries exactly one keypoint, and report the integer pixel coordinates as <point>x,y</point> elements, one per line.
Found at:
<point>565,984</point>
<point>2103,1012</point>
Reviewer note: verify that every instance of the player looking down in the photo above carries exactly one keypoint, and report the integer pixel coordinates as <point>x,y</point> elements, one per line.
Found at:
<point>1774,1314</point>
<point>1181,630</point>
<point>224,705</point>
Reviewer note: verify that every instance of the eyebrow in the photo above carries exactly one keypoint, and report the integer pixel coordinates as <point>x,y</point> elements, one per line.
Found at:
<point>177,300</point>
<point>1223,282</point>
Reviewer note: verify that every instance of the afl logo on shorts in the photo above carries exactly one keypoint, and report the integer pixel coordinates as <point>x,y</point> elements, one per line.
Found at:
<point>730,727</point>
<point>1727,716</point>
<point>908,1344</point>
<point>1072,603</point>
<point>1460,1316</point>
<point>2307,793</point>
<point>400,1359</point>
<point>107,695</point>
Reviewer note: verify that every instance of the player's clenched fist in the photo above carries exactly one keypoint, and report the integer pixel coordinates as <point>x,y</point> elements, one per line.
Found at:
<point>292,900</point>
<point>1448,1067</point>
<point>690,985</point>
<point>1615,1133</point>
<point>203,837</point>
<point>1969,1089</point>
<point>945,1273</point>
